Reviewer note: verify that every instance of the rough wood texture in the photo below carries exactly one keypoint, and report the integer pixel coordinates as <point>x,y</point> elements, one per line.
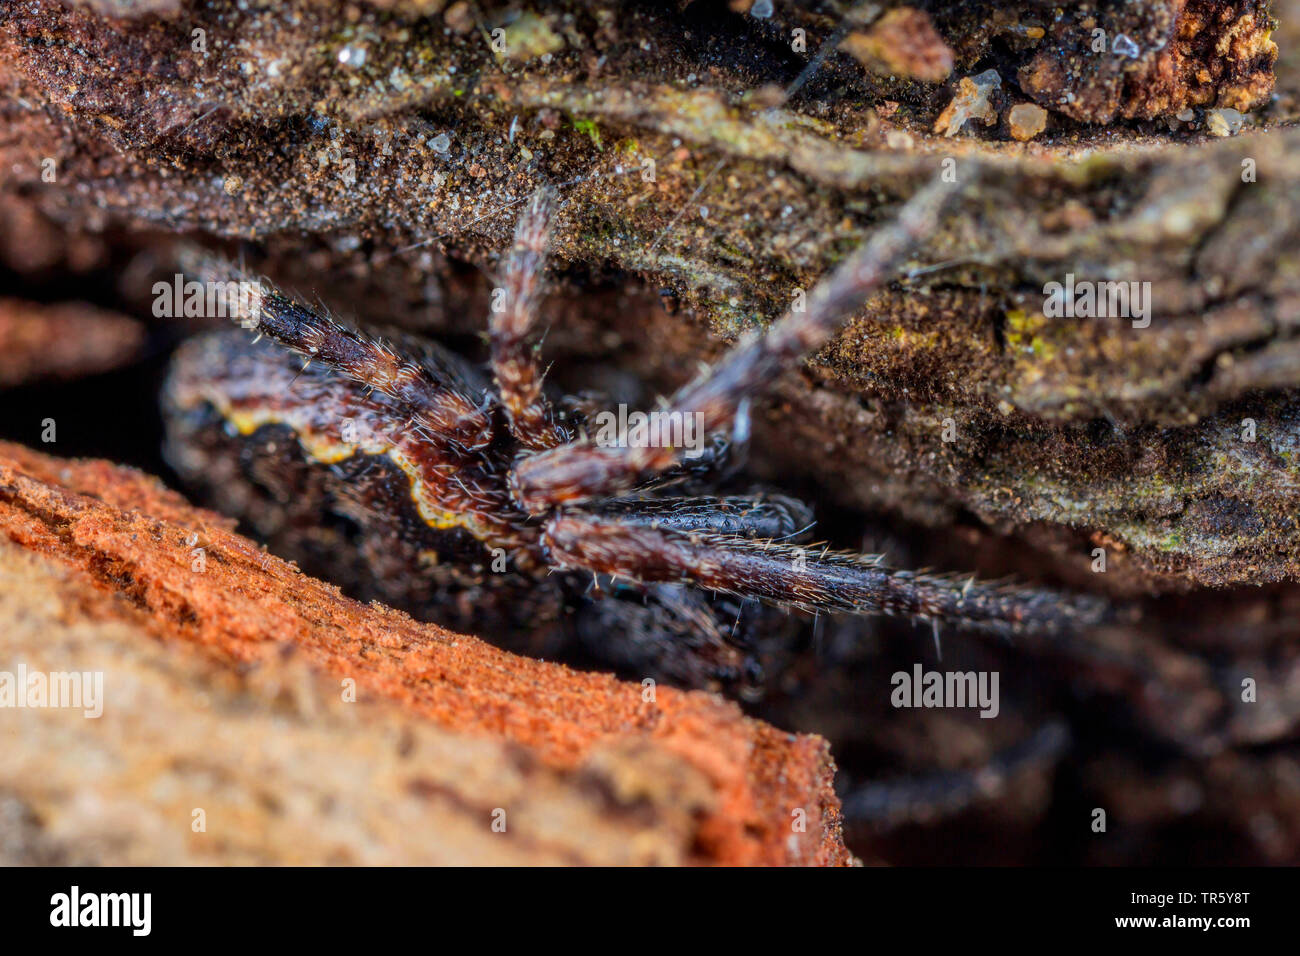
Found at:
<point>405,128</point>
<point>239,711</point>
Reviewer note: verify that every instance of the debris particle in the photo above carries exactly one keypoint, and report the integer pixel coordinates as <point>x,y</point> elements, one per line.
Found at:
<point>1123,46</point>
<point>1026,121</point>
<point>459,18</point>
<point>971,102</point>
<point>899,139</point>
<point>531,36</point>
<point>352,56</point>
<point>1223,122</point>
<point>902,43</point>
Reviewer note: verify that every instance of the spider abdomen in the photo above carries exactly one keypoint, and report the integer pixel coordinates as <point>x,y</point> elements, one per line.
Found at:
<point>253,386</point>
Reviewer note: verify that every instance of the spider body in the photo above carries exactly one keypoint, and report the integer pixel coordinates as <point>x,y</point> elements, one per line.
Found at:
<point>489,508</point>
<point>332,477</point>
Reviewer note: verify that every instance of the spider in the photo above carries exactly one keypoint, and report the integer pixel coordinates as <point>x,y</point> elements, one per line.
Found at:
<point>489,507</point>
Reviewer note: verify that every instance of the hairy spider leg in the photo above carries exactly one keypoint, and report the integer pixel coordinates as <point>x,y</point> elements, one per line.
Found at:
<point>432,403</point>
<point>673,631</point>
<point>810,578</point>
<point>767,516</point>
<point>584,470</point>
<point>515,365</point>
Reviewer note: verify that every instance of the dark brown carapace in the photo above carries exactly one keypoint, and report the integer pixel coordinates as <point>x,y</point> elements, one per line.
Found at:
<point>493,509</point>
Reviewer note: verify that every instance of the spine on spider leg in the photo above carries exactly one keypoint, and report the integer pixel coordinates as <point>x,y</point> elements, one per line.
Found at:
<point>811,579</point>
<point>430,404</point>
<point>519,380</point>
<point>984,606</point>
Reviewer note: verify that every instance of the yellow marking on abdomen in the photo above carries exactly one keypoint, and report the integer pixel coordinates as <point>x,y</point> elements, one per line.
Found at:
<point>329,452</point>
